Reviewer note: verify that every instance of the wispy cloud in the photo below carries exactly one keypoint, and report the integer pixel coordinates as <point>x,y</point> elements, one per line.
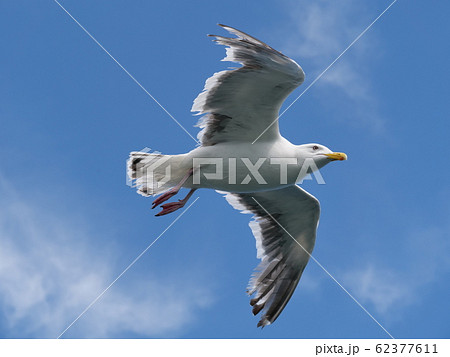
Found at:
<point>382,287</point>
<point>318,32</point>
<point>49,274</point>
<point>397,286</point>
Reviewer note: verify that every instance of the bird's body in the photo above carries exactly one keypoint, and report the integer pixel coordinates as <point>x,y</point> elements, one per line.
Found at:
<point>243,154</point>
<point>246,167</point>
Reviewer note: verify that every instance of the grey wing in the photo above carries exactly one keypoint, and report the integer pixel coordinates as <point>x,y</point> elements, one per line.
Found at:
<point>240,104</point>
<point>284,226</point>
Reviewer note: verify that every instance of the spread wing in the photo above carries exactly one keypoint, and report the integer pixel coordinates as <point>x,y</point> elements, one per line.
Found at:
<point>284,226</point>
<point>241,103</point>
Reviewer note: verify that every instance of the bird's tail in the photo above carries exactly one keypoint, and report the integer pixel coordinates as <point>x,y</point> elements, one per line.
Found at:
<point>154,173</point>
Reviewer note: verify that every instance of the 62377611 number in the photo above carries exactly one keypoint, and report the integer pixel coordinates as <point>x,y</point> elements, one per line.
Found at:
<point>405,348</point>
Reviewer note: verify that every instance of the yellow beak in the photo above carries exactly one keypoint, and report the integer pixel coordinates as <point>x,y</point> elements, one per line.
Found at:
<point>337,156</point>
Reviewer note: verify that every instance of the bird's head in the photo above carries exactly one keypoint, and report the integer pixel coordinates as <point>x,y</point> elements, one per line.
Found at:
<point>320,154</point>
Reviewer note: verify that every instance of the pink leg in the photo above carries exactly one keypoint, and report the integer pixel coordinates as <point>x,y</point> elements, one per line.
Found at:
<point>173,206</point>
<point>172,192</point>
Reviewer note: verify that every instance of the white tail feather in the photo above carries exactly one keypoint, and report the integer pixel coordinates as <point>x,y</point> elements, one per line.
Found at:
<point>154,173</point>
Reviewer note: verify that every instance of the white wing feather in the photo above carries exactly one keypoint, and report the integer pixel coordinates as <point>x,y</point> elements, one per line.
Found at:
<point>284,226</point>
<point>241,103</point>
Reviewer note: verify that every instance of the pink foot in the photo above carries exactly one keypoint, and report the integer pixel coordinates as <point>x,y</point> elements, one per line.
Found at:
<point>164,197</point>
<point>171,207</point>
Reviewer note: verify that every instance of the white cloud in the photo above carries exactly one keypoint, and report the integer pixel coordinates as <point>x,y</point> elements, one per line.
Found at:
<point>318,32</point>
<point>381,287</point>
<point>48,275</point>
<point>394,287</point>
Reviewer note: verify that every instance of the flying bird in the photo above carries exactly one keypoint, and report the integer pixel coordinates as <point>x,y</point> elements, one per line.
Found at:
<point>242,154</point>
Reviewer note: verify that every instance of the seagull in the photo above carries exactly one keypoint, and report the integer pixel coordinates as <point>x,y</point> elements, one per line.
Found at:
<point>242,155</point>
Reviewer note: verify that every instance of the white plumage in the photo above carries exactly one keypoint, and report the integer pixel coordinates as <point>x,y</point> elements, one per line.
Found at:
<point>251,95</point>
<point>239,105</point>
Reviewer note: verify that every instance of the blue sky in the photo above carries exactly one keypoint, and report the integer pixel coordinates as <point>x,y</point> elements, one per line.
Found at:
<point>69,225</point>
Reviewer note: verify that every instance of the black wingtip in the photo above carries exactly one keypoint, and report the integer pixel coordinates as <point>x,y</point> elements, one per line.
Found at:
<point>263,323</point>
<point>257,308</point>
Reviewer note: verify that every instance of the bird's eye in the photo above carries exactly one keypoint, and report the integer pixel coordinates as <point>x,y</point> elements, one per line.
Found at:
<point>315,147</point>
